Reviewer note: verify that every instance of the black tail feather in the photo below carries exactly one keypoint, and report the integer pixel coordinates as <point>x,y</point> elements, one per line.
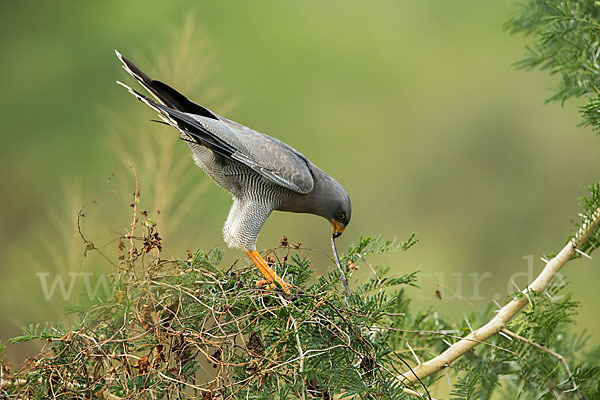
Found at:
<point>164,93</point>
<point>187,125</point>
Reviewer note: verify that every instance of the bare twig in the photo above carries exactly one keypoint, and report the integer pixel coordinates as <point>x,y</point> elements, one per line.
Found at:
<point>134,219</point>
<point>300,354</point>
<point>547,351</point>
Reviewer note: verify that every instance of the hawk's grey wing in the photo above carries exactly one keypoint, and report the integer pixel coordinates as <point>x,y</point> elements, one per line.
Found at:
<point>269,157</point>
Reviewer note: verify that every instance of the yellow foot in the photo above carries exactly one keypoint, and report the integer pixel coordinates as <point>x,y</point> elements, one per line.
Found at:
<point>266,284</point>
<point>269,274</point>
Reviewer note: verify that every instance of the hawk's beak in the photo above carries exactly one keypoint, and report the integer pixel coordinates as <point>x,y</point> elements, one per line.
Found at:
<point>337,228</point>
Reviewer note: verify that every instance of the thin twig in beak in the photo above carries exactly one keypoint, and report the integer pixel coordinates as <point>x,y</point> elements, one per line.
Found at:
<point>342,276</point>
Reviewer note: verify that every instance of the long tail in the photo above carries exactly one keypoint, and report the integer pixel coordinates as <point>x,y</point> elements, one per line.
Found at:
<point>165,94</point>
<point>191,129</point>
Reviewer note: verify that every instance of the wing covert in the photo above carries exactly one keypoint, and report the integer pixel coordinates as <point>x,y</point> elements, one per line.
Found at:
<point>273,159</point>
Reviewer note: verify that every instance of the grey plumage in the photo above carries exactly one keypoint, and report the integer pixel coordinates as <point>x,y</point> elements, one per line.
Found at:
<point>262,173</point>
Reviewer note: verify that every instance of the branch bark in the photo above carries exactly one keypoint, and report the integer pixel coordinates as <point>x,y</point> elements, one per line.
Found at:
<point>507,312</point>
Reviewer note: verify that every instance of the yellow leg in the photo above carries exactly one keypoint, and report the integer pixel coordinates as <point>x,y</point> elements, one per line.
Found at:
<point>266,270</point>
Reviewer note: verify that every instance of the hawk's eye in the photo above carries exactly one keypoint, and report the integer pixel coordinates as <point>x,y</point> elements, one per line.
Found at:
<point>341,216</point>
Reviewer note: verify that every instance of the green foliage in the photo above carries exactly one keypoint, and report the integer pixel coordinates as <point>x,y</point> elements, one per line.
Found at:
<point>566,43</point>
<point>33,332</point>
<point>467,387</point>
<point>369,246</point>
<point>591,208</point>
<point>591,113</point>
<point>190,328</point>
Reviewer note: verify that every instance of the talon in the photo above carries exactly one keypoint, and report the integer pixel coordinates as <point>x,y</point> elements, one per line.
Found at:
<point>263,284</point>
<point>286,286</point>
<point>266,284</point>
<point>268,272</point>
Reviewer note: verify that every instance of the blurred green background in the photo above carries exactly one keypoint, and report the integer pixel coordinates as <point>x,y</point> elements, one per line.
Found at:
<point>415,107</point>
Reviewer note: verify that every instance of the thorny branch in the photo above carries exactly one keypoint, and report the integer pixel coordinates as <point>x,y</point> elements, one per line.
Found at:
<point>507,312</point>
